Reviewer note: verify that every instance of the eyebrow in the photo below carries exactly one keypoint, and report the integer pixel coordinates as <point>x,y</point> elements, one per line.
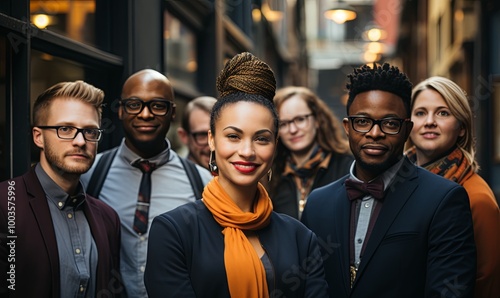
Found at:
<point>241,131</point>
<point>384,117</point>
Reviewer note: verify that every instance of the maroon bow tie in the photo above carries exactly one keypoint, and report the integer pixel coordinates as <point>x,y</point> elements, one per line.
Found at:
<point>358,190</point>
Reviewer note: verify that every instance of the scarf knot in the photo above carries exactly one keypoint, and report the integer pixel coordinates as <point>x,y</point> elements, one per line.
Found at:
<point>454,166</point>
<point>245,272</point>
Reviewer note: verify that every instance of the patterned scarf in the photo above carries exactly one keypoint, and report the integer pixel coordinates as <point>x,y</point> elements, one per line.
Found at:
<point>246,276</point>
<point>453,166</point>
<point>309,168</point>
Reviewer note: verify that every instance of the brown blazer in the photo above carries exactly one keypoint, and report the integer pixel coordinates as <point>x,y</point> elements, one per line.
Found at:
<point>35,253</point>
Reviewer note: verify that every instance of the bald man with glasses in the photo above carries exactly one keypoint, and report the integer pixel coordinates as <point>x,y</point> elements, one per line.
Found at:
<point>143,177</point>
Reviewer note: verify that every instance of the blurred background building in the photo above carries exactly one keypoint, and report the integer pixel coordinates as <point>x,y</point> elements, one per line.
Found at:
<point>312,43</point>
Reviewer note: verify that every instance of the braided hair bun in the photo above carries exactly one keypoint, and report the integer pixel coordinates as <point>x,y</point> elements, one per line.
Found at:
<point>245,78</point>
<point>245,73</point>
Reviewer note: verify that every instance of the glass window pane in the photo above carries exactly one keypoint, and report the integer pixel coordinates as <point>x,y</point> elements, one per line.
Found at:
<point>72,18</point>
<point>180,51</point>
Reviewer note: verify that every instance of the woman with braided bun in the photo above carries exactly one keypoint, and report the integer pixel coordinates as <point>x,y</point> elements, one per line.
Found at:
<point>231,243</point>
<point>442,141</point>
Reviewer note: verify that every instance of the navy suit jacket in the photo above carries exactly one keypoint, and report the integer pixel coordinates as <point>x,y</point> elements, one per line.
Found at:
<point>35,252</point>
<point>186,256</point>
<point>422,244</point>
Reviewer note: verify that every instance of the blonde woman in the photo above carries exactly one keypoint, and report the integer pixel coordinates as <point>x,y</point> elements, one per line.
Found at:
<point>442,141</point>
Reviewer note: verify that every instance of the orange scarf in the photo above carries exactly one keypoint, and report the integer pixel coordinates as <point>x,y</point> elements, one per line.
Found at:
<point>246,276</point>
<point>454,166</point>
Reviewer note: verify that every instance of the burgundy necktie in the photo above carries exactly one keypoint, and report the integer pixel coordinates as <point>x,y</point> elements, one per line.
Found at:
<point>358,190</point>
<point>142,210</point>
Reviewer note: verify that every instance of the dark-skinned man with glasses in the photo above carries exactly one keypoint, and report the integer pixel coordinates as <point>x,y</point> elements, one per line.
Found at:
<point>193,132</point>
<point>390,228</point>
<point>55,240</point>
<point>144,177</point>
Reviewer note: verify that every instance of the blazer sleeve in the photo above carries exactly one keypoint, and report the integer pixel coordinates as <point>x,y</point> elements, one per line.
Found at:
<point>166,273</point>
<point>451,262</point>
<point>316,285</point>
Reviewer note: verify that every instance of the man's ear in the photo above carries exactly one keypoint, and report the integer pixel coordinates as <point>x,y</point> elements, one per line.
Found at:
<point>183,135</point>
<point>120,112</point>
<point>173,111</point>
<point>345,122</point>
<point>38,137</point>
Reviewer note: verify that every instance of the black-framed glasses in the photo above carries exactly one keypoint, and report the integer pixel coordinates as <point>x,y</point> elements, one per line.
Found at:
<point>70,132</point>
<point>390,126</point>
<point>300,122</point>
<point>200,138</point>
<point>158,107</point>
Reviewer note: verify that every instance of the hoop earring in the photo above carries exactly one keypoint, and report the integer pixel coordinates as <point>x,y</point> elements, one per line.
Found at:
<point>269,175</point>
<point>212,166</point>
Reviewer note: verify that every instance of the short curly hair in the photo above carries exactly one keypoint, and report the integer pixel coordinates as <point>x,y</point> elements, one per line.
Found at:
<point>385,78</point>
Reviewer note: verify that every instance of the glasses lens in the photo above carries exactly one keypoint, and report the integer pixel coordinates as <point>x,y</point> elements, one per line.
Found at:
<point>362,124</point>
<point>158,108</point>
<point>201,138</point>
<point>133,106</point>
<point>300,121</point>
<point>93,134</point>
<point>66,132</point>
<point>391,126</point>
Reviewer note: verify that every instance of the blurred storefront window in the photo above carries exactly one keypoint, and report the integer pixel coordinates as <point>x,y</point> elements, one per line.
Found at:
<point>72,18</point>
<point>180,54</point>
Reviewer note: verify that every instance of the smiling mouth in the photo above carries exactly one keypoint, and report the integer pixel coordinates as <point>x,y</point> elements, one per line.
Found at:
<point>245,168</point>
<point>78,155</point>
<point>374,150</point>
<point>429,134</point>
<point>145,128</point>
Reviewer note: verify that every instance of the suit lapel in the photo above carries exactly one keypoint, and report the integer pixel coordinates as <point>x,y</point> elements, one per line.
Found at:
<point>341,215</point>
<point>41,212</point>
<point>397,195</point>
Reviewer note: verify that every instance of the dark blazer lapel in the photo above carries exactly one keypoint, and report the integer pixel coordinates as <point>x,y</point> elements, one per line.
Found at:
<point>94,218</point>
<point>41,212</point>
<point>342,215</point>
<point>397,195</point>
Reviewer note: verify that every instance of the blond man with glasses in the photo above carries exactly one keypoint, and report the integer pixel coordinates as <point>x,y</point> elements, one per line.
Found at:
<point>56,240</point>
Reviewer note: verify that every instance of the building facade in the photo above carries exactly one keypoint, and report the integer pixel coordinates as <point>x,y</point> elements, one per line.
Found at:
<point>102,42</point>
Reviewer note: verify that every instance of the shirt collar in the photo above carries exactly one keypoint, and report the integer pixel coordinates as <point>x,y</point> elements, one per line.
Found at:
<point>56,194</point>
<point>387,176</point>
<point>130,157</point>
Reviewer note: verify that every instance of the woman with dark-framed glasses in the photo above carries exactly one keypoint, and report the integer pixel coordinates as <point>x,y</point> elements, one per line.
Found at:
<point>312,149</point>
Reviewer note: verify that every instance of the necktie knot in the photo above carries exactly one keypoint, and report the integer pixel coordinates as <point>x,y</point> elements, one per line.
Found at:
<point>145,166</point>
<point>357,190</point>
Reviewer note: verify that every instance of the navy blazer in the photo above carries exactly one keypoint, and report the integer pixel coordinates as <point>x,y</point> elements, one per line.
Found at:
<point>36,254</point>
<point>186,256</point>
<point>422,244</point>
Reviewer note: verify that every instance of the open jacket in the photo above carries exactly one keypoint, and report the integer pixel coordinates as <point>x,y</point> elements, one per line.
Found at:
<point>36,253</point>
